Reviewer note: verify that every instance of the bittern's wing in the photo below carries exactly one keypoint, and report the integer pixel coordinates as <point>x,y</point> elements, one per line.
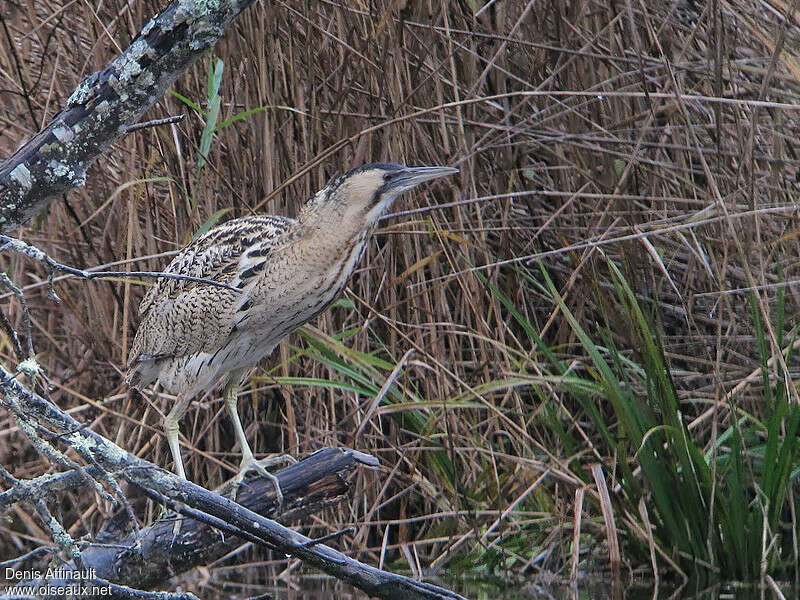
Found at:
<point>180,317</point>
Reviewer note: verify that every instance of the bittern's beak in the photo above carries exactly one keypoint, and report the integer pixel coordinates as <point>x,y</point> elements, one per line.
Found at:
<point>410,177</point>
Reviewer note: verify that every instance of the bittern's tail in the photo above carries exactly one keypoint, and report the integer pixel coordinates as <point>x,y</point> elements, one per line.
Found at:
<point>141,374</point>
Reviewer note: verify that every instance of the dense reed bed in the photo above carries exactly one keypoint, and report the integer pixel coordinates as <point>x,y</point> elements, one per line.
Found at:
<point>596,317</point>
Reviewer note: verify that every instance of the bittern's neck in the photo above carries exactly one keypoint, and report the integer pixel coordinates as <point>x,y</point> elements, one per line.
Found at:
<point>332,247</point>
<point>335,224</point>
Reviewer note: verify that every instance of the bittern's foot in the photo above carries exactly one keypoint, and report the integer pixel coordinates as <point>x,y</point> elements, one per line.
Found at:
<point>176,526</point>
<point>249,463</point>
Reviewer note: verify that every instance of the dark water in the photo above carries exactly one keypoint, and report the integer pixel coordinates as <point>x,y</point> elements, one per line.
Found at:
<point>309,587</point>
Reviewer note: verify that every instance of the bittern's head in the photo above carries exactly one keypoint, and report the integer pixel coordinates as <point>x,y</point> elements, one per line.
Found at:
<point>364,194</point>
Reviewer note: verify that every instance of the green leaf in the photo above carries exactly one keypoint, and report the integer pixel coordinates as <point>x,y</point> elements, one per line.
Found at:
<point>321,383</point>
<point>214,104</point>
<point>344,303</point>
<point>190,103</point>
<point>210,222</point>
<point>253,111</point>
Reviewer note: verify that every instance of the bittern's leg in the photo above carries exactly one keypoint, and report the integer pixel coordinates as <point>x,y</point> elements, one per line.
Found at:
<point>249,463</point>
<point>171,429</point>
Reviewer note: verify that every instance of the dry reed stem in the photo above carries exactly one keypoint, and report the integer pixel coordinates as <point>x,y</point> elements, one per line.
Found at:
<point>576,535</point>
<point>608,517</point>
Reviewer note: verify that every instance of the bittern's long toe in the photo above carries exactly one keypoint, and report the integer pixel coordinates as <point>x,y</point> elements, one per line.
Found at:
<point>249,463</point>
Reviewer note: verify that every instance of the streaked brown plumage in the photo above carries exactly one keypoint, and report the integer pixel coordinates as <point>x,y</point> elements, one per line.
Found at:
<point>194,336</point>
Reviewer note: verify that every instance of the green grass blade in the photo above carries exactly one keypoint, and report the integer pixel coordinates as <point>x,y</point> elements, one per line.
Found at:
<point>214,104</point>
<point>249,113</point>
<point>210,222</point>
<point>190,103</point>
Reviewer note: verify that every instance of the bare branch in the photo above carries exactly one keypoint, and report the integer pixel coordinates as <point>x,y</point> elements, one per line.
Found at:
<point>45,485</point>
<point>12,334</point>
<point>35,253</point>
<point>148,558</point>
<point>29,555</point>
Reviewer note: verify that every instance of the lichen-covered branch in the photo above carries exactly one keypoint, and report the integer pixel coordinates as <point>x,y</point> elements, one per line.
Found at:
<point>107,103</point>
<point>48,485</point>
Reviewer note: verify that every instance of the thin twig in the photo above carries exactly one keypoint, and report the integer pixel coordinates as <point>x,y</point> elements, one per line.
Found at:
<point>154,123</point>
<point>329,537</point>
<point>9,330</point>
<point>31,554</point>
<point>57,531</point>
<point>44,485</point>
<point>33,252</point>
<point>26,315</point>
<point>32,430</point>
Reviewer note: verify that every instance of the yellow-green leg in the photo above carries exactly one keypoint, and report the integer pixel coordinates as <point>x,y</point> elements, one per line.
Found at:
<point>249,463</point>
<point>171,428</point>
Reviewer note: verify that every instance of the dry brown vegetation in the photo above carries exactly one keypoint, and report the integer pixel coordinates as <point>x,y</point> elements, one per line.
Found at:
<point>574,124</point>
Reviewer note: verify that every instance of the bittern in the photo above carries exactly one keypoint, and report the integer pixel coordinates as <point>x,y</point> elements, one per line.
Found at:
<point>281,273</point>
